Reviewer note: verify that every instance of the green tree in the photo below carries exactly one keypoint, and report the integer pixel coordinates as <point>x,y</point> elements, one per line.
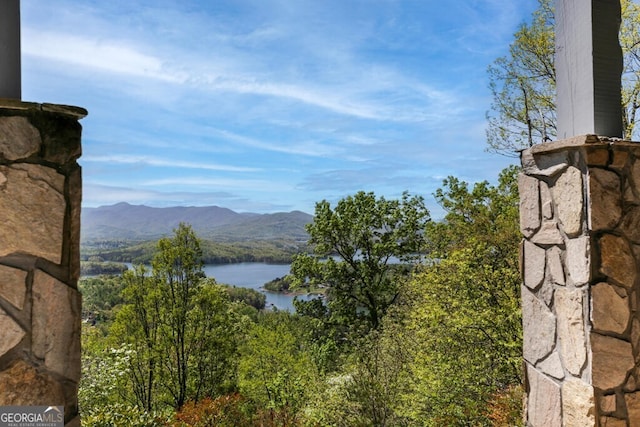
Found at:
<point>248,296</point>
<point>276,371</point>
<point>100,297</point>
<point>465,334</point>
<point>212,337</point>
<point>369,388</point>
<point>486,213</point>
<point>463,313</point>
<point>181,327</point>
<point>523,82</point>
<point>354,247</point>
<point>177,272</point>
<point>630,43</point>
<point>138,323</point>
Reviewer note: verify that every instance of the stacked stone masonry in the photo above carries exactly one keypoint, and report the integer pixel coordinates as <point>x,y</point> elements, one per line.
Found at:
<point>40,194</point>
<point>580,258</point>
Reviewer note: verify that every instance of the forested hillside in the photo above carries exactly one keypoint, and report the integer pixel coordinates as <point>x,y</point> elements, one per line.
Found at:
<point>128,233</point>
<point>214,252</point>
<point>123,221</point>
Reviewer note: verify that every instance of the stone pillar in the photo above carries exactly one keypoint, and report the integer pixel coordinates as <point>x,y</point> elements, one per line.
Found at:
<point>580,217</point>
<point>10,79</point>
<point>40,195</point>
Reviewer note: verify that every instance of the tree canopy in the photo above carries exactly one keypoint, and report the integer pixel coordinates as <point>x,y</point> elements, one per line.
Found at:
<point>179,325</point>
<point>462,313</point>
<point>354,246</point>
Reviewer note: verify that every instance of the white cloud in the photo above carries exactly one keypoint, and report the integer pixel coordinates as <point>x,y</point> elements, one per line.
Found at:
<point>107,56</point>
<point>169,163</point>
<point>250,88</point>
<point>364,91</point>
<point>226,183</point>
<point>100,194</point>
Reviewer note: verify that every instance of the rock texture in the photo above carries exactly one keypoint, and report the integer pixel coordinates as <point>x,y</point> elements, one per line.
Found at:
<point>40,305</point>
<point>571,329</point>
<point>544,407</point>
<point>581,290</point>
<point>539,328</point>
<point>578,409</point>
<point>610,310</point>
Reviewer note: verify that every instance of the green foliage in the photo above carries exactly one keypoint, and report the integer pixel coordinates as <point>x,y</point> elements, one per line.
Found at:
<point>94,268</point>
<point>272,251</point>
<point>630,43</point>
<point>466,338</point>
<point>365,234</point>
<point>120,415</point>
<point>485,213</point>
<point>523,82</point>
<point>182,327</point>
<point>523,87</point>
<point>105,372</point>
<point>464,318</point>
<point>442,348</point>
<point>177,270</point>
<point>276,372</point>
<point>251,297</point>
<point>138,323</point>
<point>100,296</point>
<point>368,390</point>
<point>279,284</point>
<point>211,331</point>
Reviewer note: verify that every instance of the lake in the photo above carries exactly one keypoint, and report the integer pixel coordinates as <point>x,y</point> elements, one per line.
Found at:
<point>254,275</point>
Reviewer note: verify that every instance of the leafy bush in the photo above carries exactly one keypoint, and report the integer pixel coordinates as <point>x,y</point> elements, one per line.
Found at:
<point>100,296</point>
<point>120,415</point>
<point>224,411</point>
<point>505,407</point>
<point>105,371</point>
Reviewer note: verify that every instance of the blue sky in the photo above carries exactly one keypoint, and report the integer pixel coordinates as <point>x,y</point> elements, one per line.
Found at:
<point>271,105</point>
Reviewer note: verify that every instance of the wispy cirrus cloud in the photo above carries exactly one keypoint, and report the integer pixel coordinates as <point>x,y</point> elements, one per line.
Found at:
<point>227,183</point>
<point>96,194</point>
<point>375,98</point>
<point>166,162</point>
<point>108,56</point>
<point>271,103</point>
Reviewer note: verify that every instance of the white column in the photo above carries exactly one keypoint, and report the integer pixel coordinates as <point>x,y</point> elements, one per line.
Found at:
<point>588,68</point>
<point>10,79</point>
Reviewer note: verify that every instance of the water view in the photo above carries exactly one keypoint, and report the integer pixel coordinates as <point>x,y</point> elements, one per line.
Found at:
<point>254,275</point>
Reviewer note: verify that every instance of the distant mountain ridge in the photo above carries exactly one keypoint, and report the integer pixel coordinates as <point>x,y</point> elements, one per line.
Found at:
<point>124,221</point>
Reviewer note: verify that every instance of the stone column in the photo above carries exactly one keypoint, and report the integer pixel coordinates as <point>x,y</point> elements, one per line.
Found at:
<point>40,195</point>
<point>580,217</point>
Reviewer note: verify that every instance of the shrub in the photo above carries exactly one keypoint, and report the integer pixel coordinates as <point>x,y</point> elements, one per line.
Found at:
<point>224,411</point>
<point>119,415</point>
<point>505,407</point>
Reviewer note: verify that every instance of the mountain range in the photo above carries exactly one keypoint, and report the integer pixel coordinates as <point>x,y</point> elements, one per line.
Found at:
<point>124,221</point>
